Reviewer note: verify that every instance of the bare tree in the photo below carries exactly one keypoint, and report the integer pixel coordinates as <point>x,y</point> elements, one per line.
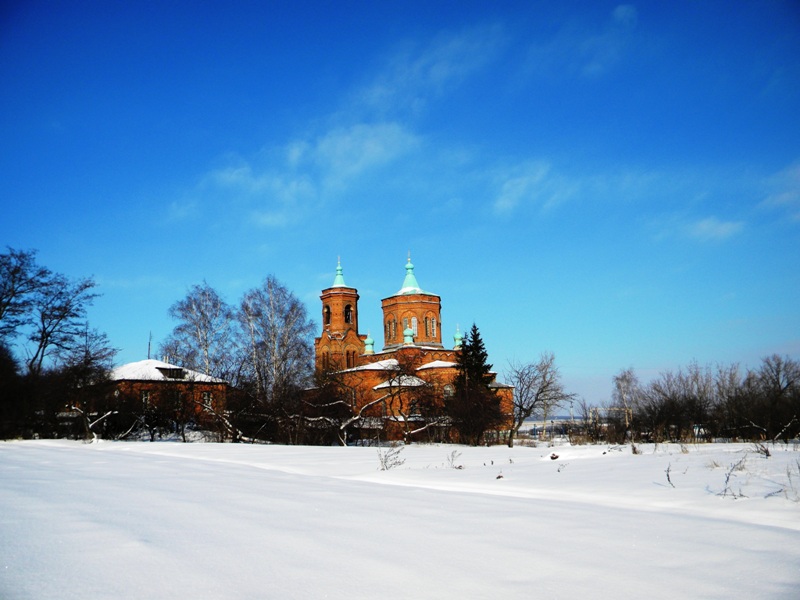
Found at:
<point>278,337</point>
<point>338,403</point>
<point>537,390</point>
<point>58,307</point>
<point>414,400</point>
<point>85,367</point>
<point>203,337</point>
<point>625,395</point>
<point>778,398</point>
<point>20,277</point>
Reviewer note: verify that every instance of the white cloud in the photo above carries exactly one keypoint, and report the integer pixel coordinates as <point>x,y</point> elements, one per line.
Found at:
<point>626,15</point>
<point>712,229</point>
<point>531,183</point>
<point>520,188</point>
<point>181,211</point>
<point>286,184</point>
<point>418,72</point>
<point>276,198</point>
<point>785,192</point>
<point>345,153</point>
<point>578,50</point>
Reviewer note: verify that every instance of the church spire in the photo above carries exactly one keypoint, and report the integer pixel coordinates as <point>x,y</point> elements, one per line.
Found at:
<point>338,281</point>
<point>410,285</point>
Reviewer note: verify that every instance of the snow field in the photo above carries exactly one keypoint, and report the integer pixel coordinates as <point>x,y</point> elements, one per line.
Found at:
<point>141,520</point>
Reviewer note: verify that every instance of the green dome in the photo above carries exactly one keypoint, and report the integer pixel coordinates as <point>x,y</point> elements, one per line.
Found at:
<point>410,285</point>
<point>338,281</point>
<point>458,338</point>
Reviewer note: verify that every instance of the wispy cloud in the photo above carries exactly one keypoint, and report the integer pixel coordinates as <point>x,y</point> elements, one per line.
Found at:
<point>285,184</point>
<point>532,183</point>
<point>273,198</point>
<point>712,229</point>
<point>345,153</point>
<point>586,52</point>
<point>371,132</point>
<point>784,192</point>
<point>182,211</point>
<point>418,72</point>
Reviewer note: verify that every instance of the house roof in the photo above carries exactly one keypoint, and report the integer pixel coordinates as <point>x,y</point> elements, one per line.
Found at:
<point>156,370</point>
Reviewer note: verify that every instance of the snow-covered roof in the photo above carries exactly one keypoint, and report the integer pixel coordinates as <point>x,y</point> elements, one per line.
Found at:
<point>402,381</point>
<point>156,370</point>
<point>390,364</point>
<point>438,364</point>
<point>497,384</point>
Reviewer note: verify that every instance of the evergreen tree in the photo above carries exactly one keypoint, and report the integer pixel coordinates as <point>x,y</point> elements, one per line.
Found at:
<point>474,407</point>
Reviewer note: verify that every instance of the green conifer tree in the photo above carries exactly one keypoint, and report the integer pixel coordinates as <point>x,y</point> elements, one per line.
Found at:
<point>475,407</point>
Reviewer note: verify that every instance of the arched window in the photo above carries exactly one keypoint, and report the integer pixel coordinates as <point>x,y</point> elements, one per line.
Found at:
<point>449,391</point>
<point>414,325</point>
<point>433,327</point>
<point>427,327</point>
<point>348,314</point>
<point>390,329</point>
<point>327,316</point>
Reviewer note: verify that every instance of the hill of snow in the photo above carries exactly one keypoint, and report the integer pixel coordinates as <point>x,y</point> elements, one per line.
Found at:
<point>141,520</point>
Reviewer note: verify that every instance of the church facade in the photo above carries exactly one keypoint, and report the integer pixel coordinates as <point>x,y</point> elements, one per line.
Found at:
<point>399,391</point>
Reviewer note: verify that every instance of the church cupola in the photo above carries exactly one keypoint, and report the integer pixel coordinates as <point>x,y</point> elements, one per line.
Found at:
<point>458,339</point>
<point>412,316</point>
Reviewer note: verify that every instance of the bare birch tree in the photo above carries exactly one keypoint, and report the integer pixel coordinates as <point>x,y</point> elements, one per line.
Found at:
<point>278,337</point>
<point>203,337</point>
<point>537,390</point>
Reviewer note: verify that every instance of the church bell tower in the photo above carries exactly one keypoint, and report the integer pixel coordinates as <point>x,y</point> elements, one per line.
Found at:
<point>340,343</point>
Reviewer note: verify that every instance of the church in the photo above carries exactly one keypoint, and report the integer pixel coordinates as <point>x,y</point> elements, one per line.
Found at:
<point>400,389</point>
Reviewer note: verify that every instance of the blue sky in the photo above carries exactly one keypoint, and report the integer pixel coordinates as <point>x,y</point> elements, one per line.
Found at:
<point>616,183</point>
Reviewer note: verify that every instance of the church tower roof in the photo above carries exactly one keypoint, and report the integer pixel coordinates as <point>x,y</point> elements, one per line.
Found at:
<point>410,285</point>
<point>338,281</point>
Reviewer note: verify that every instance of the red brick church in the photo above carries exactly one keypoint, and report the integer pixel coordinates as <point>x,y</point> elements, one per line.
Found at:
<point>412,371</point>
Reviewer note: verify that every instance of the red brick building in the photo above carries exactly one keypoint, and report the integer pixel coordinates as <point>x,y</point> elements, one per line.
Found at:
<point>405,381</point>
<point>160,385</point>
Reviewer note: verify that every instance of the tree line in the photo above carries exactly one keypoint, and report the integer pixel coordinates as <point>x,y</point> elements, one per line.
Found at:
<point>704,403</point>
<point>60,358</point>
<point>263,347</point>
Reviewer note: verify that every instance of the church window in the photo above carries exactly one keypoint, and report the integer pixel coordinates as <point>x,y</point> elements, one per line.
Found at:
<point>427,327</point>
<point>405,324</point>
<point>348,314</point>
<point>414,325</point>
<point>145,398</point>
<point>327,315</point>
<point>449,391</point>
<point>433,327</point>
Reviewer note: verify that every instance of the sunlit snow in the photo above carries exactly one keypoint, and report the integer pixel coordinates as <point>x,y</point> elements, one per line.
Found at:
<point>171,520</point>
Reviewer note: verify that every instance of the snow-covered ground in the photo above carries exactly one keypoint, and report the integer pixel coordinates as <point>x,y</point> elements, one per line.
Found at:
<point>171,520</point>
